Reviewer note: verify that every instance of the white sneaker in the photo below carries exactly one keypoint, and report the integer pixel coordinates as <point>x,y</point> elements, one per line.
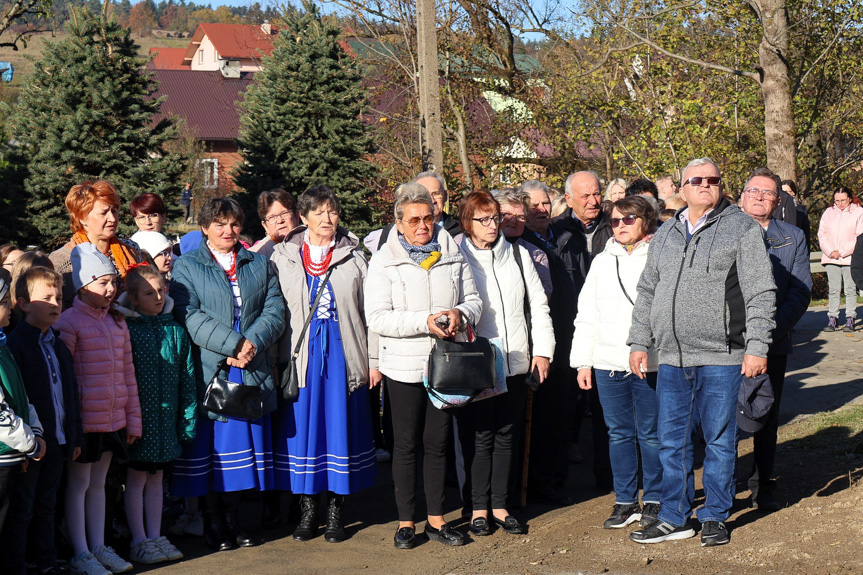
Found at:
<point>109,558</point>
<point>147,552</point>
<point>179,526</point>
<point>87,564</point>
<point>195,526</point>
<point>166,547</point>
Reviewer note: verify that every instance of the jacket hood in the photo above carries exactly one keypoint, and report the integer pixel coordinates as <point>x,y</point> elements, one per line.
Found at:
<point>125,307</point>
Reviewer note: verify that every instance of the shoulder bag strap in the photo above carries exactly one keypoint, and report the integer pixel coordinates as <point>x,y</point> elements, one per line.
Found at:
<point>617,264</point>
<point>321,287</point>
<point>527,317</point>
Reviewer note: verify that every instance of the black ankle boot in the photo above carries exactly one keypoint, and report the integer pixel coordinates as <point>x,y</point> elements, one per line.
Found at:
<point>308,526</point>
<point>335,533</point>
<point>271,512</point>
<point>215,535</point>
<point>236,533</point>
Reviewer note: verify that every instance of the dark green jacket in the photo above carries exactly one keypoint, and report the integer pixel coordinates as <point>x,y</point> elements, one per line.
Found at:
<point>204,304</point>
<point>166,383</point>
<point>13,424</point>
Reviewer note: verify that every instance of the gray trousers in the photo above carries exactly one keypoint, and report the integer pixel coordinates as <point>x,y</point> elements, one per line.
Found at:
<point>836,276</point>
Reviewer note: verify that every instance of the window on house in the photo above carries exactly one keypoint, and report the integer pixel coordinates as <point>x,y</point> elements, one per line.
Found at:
<point>506,174</point>
<point>209,173</point>
<point>200,56</point>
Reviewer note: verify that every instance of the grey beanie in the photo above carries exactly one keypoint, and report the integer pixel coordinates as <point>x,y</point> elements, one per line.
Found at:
<point>4,287</point>
<point>88,265</point>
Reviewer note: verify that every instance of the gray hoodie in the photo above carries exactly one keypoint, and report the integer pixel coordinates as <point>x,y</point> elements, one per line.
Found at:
<point>708,300</point>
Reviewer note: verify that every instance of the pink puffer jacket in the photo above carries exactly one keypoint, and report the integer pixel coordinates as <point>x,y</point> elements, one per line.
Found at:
<point>102,354</point>
<point>838,231</point>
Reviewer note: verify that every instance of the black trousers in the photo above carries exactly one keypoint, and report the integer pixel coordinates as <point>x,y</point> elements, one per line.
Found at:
<point>765,439</point>
<point>551,429</point>
<point>33,507</point>
<point>489,431</point>
<point>8,482</point>
<point>415,421</point>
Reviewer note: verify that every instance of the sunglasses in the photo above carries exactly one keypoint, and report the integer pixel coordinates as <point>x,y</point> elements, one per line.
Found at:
<point>709,180</point>
<point>626,220</point>
<point>415,221</point>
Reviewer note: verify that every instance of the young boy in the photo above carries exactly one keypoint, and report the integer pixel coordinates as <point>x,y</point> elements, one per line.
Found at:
<point>20,432</point>
<point>47,369</point>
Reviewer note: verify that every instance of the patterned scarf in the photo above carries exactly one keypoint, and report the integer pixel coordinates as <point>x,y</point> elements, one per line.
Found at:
<point>425,256</point>
<point>121,255</point>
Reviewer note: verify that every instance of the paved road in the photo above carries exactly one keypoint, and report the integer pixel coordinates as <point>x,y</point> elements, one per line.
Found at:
<point>825,371</point>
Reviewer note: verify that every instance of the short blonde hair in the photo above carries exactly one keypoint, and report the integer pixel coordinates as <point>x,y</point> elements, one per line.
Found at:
<point>33,277</point>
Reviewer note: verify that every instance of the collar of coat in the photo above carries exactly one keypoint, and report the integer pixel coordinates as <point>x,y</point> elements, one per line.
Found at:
<point>346,244</point>
<point>399,256</point>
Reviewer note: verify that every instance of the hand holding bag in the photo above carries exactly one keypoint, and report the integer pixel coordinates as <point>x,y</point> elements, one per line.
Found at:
<point>233,400</point>
<point>289,382</point>
<point>461,367</point>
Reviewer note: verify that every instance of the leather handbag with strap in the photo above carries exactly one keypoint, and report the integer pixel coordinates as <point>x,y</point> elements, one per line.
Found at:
<point>232,400</point>
<point>289,382</point>
<point>462,366</point>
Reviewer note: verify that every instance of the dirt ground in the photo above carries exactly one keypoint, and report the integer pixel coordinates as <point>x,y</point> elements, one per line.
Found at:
<point>818,530</point>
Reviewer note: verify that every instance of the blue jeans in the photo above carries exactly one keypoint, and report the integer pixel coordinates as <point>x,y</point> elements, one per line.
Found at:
<point>630,408</point>
<point>708,393</point>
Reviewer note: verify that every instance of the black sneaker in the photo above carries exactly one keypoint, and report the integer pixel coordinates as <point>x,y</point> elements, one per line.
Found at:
<point>849,324</point>
<point>714,533</point>
<point>623,515</point>
<point>831,324</point>
<point>661,531</point>
<point>649,514</point>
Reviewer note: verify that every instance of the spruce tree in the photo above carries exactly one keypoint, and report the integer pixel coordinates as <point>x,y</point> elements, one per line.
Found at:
<point>85,113</point>
<point>302,123</point>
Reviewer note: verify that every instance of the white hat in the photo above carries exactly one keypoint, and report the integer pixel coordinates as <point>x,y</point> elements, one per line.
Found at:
<point>89,264</point>
<point>153,243</point>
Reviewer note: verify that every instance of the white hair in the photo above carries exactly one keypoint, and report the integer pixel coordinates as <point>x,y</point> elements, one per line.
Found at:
<point>698,162</point>
<point>567,185</point>
<point>411,193</point>
<point>435,175</point>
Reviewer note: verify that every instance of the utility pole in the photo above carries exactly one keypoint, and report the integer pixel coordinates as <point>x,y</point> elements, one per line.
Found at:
<point>431,132</point>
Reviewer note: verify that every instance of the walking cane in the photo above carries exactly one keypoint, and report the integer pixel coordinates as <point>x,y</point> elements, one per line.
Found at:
<point>528,418</point>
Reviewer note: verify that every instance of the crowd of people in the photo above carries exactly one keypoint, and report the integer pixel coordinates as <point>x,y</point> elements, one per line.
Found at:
<point>648,306</point>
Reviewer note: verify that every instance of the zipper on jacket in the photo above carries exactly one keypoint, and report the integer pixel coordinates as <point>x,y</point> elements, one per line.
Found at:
<point>674,303</point>
<point>694,252</point>
<point>503,309</point>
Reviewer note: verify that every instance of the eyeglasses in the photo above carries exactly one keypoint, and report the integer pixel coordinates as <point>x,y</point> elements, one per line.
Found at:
<point>147,217</point>
<point>166,253</point>
<point>698,180</point>
<point>415,221</point>
<point>280,217</point>
<point>837,202</point>
<point>486,221</point>
<point>759,194</point>
<point>626,220</point>
<point>507,216</point>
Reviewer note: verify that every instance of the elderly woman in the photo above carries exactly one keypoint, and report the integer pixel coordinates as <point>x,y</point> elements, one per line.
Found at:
<point>514,206</point>
<point>615,190</point>
<point>229,300</point>
<point>629,404</point>
<point>488,429</point>
<point>325,442</point>
<point>277,210</point>
<point>93,215</point>
<point>417,277</point>
<point>149,212</point>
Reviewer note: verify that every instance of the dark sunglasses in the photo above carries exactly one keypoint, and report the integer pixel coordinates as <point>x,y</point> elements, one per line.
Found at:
<point>709,180</point>
<point>627,221</point>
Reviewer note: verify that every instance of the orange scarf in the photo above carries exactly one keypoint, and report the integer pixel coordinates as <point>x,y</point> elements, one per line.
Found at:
<point>122,256</point>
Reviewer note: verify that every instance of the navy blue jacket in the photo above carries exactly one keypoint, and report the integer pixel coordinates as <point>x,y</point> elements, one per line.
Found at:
<point>204,304</point>
<point>789,254</point>
<point>24,344</point>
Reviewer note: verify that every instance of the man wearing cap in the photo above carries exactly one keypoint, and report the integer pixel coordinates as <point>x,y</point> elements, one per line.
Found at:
<point>706,305</point>
<point>789,256</point>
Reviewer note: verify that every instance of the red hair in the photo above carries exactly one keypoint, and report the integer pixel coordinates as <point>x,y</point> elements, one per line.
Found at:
<point>81,199</point>
<point>471,204</point>
<point>148,204</point>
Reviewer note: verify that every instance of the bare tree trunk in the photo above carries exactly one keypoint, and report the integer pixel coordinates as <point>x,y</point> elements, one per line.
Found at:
<point>461,139</point>
<point>773,52</point>
<point>430,114</point>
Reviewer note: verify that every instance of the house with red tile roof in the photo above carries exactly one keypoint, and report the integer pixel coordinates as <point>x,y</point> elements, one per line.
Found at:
<point>214,44</point>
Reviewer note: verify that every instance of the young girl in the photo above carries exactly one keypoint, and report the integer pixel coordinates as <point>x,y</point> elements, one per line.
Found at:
<point>110,413</point>
<point>166,386</point>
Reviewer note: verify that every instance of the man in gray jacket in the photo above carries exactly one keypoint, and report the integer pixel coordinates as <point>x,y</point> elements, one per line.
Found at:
<point>706,302</point>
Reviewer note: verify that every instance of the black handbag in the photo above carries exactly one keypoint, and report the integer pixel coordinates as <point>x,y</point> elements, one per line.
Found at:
<point>462,366</point>
<point>289,382</point>
<point>233,400</point>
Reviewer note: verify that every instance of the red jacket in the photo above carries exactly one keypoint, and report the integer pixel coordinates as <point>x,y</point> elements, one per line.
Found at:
<point>102,354</point>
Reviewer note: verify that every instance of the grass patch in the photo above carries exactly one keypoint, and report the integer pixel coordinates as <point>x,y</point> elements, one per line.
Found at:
<point>833,431</point>
<point>815,302</point>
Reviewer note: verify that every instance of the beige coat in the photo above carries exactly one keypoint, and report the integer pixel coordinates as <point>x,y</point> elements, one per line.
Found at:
<point>349,272</point>
<point>400,295</point>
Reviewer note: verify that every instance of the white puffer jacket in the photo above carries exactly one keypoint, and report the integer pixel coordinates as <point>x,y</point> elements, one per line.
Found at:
<point>604,314</point>
<point>498,281</point>
<point>400,295</point>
